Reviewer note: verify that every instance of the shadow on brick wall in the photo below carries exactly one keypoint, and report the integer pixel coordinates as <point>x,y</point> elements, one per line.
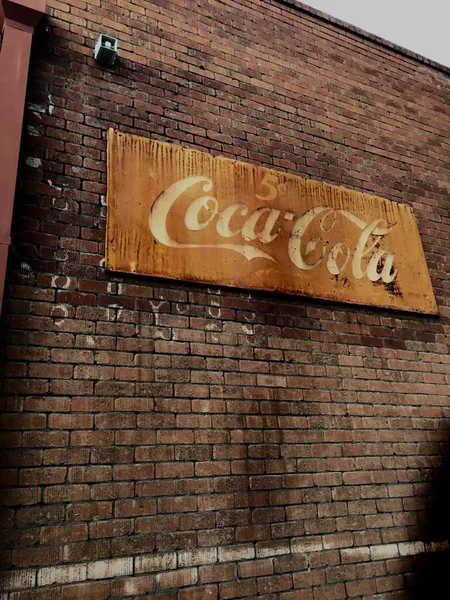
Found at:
<point>432,567</point>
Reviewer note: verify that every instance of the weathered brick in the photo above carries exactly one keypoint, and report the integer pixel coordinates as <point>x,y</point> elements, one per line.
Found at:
<point>177,579</point>
<point>184,441</point>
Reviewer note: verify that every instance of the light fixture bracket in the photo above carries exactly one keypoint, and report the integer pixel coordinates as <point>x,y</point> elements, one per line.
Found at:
<point>105,51</point>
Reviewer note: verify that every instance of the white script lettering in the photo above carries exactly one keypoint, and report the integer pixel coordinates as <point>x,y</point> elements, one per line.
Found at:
<point>306,253</point>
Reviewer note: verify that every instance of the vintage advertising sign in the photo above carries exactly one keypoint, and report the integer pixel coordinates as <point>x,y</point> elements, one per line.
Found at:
<point>184,214</point>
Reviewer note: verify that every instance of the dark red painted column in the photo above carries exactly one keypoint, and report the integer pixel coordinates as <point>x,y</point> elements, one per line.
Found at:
<point>18,18</point>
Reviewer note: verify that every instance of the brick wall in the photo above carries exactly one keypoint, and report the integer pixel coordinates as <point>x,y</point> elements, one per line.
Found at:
<point>179,442</point>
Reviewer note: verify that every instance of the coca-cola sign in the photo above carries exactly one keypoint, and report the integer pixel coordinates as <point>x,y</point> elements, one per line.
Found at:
<point>185,214</point>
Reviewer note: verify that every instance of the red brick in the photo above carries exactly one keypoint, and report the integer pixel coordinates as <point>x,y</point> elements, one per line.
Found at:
<point>177,579</point>
<point>177,504</point>
<point>217,573</point>
<point>80,591</point>
<point>255,568</point>
<point>131,586</point>
<point>71,533</point>
<point>237,589</point>
<point>158,415</point>
<point>274,583</point>
<point>207,592</point>
<point>330,592</point>
<point>66,493</point>
<point>46,594</point>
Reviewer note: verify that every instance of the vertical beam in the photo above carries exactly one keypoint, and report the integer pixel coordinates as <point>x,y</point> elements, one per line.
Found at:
<point>19,19</point>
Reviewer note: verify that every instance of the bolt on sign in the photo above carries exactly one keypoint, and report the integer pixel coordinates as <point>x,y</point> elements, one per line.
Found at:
<point>184,214</point>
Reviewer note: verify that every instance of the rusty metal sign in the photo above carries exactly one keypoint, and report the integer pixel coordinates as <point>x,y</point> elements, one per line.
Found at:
<point>184,214</point>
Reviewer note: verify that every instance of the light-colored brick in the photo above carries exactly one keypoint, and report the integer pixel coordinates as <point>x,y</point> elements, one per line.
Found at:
<point>276,548</point>
<point>301,545</point>
<point>236,553</point>
<point>64,574</point>
<point>384,551</point>
<point>155,562</point>
<point>16,580</point>
<point>191,558</point>
<point>115,567</point>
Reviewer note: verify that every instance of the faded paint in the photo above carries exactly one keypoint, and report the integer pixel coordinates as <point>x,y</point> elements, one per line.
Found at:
<point>215,220</point>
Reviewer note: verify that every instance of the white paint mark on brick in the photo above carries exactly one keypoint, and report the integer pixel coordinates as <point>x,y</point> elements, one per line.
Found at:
<point>33,162</point>
<point>155,562</point>
<point>51,106</point>
<point>233,553</point>
<point>247,329</point>
<point>103,569</point>
<point>56,200</point>
<point>181,309</point>
<point>61,255</point>
<point>36,108</point>
<point>32,130</point>
<point>102,263</point>
<point>202,556</point>
<point>65,574</point>
<point>59,281</point>
<point>25,266</point>
<point>90,340</point>
<point>214,312</point>
<point>210,291</point>
<point>57,203</point>
<point>164,334</point>
<point>16,580</point>
<point>156,305</point>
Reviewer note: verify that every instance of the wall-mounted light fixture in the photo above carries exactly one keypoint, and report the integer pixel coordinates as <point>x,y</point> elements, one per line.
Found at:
<point>105,50</point>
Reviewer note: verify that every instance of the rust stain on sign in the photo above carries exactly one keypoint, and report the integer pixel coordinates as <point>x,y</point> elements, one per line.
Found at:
<point>184,214</point>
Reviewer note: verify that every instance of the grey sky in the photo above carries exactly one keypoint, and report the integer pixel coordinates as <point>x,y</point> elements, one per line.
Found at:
<point>421,26</point>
